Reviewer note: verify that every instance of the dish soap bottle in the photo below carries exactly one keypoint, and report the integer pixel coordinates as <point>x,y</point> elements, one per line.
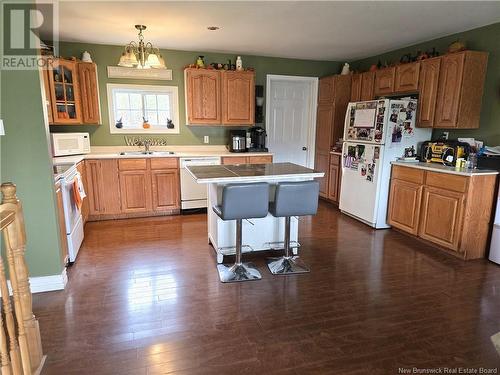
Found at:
<point>239,63</point>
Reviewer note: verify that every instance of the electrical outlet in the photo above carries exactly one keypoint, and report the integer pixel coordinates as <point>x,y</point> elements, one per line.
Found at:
<point>446,134</point>
<point>206,139</point>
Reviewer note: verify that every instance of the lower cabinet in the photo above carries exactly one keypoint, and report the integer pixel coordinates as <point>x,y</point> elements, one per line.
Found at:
<point>322,164</point>
<point>135,191</point>
<point>165,189</point>
<point>442,217</point>
<point>103,187</point>
<point>233,160</point>
<point>132,187</point>
<point>448,210</point>
<point>334,179</point>
<point>404,205</point>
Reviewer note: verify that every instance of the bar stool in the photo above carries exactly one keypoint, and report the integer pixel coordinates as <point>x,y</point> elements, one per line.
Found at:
<point>242,201</point>
<point>292,199</point>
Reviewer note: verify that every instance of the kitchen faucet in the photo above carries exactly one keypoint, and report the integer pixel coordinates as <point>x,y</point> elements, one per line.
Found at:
<point>147,144</point>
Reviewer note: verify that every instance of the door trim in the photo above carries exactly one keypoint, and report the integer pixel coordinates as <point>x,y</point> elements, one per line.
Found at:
<point>313,104</point>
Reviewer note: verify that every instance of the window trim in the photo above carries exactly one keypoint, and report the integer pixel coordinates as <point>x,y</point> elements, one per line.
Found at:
<point>174,90</point>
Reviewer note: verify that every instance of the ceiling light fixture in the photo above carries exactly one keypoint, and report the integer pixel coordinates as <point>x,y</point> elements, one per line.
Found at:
<point>141,55</point>
<point>213,28</point>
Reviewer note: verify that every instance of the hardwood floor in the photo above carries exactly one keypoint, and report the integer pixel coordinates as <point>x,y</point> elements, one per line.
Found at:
<point>144,298</point>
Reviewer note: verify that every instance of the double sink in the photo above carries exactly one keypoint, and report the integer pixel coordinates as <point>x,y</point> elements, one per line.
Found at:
<point>145,153</point>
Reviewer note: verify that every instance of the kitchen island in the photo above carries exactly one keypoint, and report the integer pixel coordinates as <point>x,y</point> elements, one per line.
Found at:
<point>258,234</point>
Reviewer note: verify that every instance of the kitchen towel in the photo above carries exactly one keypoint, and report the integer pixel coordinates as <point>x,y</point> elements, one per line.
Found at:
<point>78,191</point>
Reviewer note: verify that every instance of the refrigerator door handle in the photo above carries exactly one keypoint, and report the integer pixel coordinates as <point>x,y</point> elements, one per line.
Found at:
<point>343,157</point>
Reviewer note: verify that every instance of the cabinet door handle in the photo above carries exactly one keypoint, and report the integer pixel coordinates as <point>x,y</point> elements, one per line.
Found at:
<point>304,148</point>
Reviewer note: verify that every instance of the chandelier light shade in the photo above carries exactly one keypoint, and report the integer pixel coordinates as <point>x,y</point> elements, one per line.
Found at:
<point>141,55</point>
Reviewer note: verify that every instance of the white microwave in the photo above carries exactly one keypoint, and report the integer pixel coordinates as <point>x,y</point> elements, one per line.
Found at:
<point>64,144</point>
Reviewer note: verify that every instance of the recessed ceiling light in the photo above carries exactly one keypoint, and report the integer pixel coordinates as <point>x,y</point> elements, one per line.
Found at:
<point>213,28</point>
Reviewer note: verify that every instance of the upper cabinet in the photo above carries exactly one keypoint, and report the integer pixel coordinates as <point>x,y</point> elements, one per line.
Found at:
<point>356,87</point>
<point>87,74</point>
<point>238,98</point>
<point>428,87</point>
<point>203,96</point>
<point>460,90</point>
<point>406,78</point>
<point>326,90</point>
<point>384,81</point>
<point>367,86</point>
<point>220,97</point>
<point>64,92</point>
<point>450,88</point>
<point>72,91</point>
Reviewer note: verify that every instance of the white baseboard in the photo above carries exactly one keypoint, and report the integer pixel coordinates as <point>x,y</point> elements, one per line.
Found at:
<point>46,283</point>
<point>49,283</point>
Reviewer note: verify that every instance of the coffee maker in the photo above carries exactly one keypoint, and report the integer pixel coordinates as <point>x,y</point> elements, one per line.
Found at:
<point>237,141</point>
<point>257,139</point>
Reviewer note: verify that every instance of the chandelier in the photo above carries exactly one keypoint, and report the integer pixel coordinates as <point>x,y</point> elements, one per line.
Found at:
<point>141,55</point>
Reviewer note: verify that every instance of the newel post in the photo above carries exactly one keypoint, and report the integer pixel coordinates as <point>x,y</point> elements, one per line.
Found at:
<point>15,244</point>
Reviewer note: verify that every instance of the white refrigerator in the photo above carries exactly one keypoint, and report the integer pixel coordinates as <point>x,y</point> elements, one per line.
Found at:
<point>376,133</point>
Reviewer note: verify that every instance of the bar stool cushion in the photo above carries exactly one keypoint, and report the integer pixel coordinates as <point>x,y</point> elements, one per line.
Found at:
<point>243,201</point>
<point>295,199</point>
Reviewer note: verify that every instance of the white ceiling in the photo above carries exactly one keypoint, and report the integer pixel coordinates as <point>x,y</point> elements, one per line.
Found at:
<point>328,30</point>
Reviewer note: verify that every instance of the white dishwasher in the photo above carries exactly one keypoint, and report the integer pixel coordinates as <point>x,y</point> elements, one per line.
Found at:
<point>194,195</point>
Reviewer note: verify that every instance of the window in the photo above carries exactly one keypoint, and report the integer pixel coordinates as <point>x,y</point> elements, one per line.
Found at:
<point>143,109</point>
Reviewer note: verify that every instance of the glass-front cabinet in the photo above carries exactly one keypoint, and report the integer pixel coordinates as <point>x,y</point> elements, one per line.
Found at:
<point>64,92</point>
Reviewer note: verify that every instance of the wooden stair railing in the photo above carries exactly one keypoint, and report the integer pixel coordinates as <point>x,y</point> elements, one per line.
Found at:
<point>20,342</point>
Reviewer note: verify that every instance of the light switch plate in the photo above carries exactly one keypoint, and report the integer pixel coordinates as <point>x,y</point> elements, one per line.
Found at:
<point>206,139</point>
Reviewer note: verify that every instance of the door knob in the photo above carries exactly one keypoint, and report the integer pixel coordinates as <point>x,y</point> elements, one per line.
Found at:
<point>304,148</point>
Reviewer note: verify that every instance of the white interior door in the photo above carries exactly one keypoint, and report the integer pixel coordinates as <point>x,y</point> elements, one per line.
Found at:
<point>291,118</point>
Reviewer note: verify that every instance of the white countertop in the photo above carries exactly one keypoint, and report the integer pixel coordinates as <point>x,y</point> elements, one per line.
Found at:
<point>222,174</point>
<point>113,152</point>
<point>435,167</point>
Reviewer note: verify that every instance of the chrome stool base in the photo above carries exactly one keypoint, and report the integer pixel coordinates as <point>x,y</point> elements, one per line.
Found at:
<point>238,272</point>
<point>286,265</point>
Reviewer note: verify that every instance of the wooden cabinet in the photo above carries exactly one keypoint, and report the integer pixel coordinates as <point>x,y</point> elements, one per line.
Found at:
<point>89,92</point>
<point>443,209</point>
<point>356,87</point>
<point>330,117</point>
<point>428,88</point>
<point>404,205</point>
<point>324,127</point>
<point>326,90</point>
<point>460,90</point>
<point>406,79</point>
<point>119,188</point>
<point>238,98</point>
<point>441,217</point>
<point>220,97</point>
<point>384,81</point>
<point>72,93</point>
<point>334,178</point>
<point>64,92</point>
<point>85,204</point>
<point>233,160</point>
<point>367,86</point>
<point>165,189</point>
<point>322,164</point>
<point>103,187</point>
<point>62,225</point>
<point>135,191</point>
<point>203,96</point>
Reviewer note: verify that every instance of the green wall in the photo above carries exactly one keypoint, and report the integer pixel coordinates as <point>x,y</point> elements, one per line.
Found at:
<point>104,55</point>
<point>25,161</point>
<point>482,39</point>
